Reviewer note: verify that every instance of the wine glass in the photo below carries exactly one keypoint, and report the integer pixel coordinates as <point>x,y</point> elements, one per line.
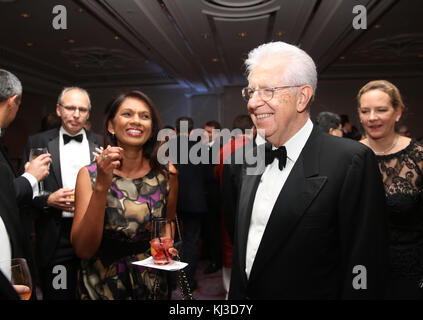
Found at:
<point>17,271</point>
<point>33,153</point>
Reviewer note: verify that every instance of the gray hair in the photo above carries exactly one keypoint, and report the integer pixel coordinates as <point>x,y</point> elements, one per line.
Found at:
<point>9,85</point>
<point>67,89</point>
<point>300,70</point>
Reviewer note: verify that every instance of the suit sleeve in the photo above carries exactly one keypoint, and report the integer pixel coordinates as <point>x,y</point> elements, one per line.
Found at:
<point>363,230</point>
<point>23,190</point>
<point>39,202</point>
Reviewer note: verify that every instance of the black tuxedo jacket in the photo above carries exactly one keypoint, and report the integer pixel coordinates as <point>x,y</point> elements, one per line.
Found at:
<point>47,219</point>
<point>192,180</point>
<point>328,220</point>
<point>10,215</point>
<point>23,189</point>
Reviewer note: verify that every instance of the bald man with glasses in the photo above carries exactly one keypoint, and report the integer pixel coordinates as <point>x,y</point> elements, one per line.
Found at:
<point>71,148</point>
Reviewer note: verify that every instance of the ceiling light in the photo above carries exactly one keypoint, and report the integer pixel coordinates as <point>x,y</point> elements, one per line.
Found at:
<point>242,34</point>
<point>205,36</point>
<point>342,58</point>
<point>71,41</point>
<point>29,44</point>
<point>280,33</point>
<point>377,26</point>
<point>80,10</point>
<point>25,15</point>
<point>116,37</point>
<point>215,59</point>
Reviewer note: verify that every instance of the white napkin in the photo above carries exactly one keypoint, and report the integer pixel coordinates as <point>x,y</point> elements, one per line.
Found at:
<point>173,266</point>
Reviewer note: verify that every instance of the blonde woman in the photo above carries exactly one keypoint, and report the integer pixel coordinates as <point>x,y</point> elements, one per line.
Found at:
<point>400,161</point>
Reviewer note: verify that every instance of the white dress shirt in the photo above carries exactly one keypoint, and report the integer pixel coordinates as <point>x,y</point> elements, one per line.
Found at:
<point>268,190</point>
<point>5,247</point>
<point>73,156</point>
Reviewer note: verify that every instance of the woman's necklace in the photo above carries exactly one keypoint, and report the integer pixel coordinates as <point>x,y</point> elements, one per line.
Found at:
<point>390,148</point>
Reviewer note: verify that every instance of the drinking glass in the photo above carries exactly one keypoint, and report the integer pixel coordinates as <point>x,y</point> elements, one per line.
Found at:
<point>33,153</point>
<point>161,241</point>
<point>17,271</point>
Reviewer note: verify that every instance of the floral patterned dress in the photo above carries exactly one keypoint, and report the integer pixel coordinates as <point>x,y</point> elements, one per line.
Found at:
<point>109,274</point>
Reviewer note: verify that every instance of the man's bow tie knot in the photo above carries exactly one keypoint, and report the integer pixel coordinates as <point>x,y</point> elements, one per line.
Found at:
<point>67,138</point>
<point>279,153</point>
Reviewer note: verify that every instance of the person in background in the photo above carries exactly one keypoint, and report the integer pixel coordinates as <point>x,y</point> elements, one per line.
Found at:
<point>192,196</point>
<point>330,123</point>
<point>117,197</point>
<point>400,160</point>
<point>243,123</point>
<point>349,131</point>
<point>211,225</point>
<point>71,148</point>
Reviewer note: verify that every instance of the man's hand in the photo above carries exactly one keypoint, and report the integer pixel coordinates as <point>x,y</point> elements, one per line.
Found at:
<point>62,199</point>
<point>39,167</point>
<point>21,290</point>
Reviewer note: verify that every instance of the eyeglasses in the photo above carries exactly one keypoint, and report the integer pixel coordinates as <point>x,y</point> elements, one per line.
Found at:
<point>72,109</point>
<point>265,94</point>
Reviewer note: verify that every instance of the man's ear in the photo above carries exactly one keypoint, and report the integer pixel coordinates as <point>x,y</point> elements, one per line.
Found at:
<point>58,110</point>
<point>14,100</point>
<point>304,97</point>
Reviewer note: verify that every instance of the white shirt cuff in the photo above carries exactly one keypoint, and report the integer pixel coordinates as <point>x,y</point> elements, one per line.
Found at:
<point>33,182</point>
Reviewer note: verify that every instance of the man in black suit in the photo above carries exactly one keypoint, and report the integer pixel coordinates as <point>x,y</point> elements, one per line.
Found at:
<point>312,225</point>
<point>26,185</point>
<point>192,193</point>
<point>71,148</point>
<point>15,190</point>
<point>11,233</point>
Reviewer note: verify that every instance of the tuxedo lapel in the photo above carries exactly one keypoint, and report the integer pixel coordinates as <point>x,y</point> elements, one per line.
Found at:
<point>250,179</point>
<point>301,187</point>
<point>54,150</point>
<point>248,190</point>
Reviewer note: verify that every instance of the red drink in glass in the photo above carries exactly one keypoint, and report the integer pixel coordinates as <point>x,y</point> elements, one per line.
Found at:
<point>160,250</point>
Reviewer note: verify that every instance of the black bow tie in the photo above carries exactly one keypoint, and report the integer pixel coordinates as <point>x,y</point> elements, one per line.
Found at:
<point>279,153</point>
<point>67,138</point>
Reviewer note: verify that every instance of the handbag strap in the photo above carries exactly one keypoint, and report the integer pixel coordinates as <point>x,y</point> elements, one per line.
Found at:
<point>177,227</point>
<point>182,277</point>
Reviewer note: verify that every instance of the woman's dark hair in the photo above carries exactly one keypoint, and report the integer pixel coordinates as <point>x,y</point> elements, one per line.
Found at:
<point>152,146</point>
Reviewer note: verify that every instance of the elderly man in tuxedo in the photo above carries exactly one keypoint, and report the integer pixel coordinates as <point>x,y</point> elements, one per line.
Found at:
<point>71,148</point>
<point>312,225</point>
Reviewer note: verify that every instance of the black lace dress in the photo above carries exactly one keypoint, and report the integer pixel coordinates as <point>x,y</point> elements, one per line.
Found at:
<point>403,182</point>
